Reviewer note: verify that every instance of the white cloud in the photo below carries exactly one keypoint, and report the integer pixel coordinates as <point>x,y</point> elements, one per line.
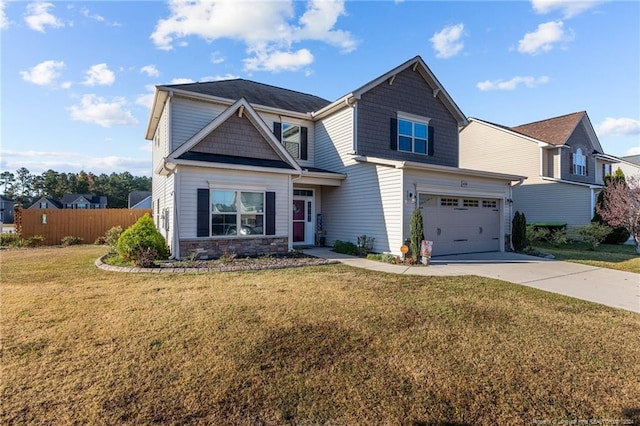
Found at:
<point>38,17</point>
<point>227,76</point>
<point>146,99</point>
<point>4,21</point>
<point>633,151</point>
<point>268,29</point>
<point>39,161</point>
<point>278,61</point>
<point>94,109</point>
<point>217,58</point>
<point>512,84</point>
<point>447,42</point>
<point>182,80</point>
<point>569,8</point>
<point>150,70</point>
<point>100,75</point>
<point>618,127</point>
<point>544,38</point>
<point>44,74</point>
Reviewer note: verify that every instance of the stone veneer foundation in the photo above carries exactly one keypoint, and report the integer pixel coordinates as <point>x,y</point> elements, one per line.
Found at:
<point>213,248</point>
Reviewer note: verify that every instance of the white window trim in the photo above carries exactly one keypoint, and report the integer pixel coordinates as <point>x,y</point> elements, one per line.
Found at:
<point>412,117</point>
<point>238,212</point>
<point>299,143</point>
<point>579,166</point>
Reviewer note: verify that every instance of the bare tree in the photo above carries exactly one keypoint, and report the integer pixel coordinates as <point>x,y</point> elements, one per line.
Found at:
<point>622,206</point>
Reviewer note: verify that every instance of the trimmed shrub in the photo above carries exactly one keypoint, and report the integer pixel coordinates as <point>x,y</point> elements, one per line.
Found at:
<point>416,233</point>
<point>365,244</point>
<point>519,231</point>
<point>10,240</point>
<point>111,237</point>
<point>345,247</point>
<point>71,241</point>
<point>535,234</point>
<point>594,234</point>
<point>35,241</point>
<point>139,238</point>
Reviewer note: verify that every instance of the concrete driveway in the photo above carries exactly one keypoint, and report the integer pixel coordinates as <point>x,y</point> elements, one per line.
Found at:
<point>617,289</point>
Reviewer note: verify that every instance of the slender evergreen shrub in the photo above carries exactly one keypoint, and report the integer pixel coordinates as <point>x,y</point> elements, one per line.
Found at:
<point>141,239</point>
<point>519,231</point>
<point>416,233</point>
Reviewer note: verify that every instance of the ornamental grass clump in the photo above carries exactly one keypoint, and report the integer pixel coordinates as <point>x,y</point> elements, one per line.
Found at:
<point>142,243</point>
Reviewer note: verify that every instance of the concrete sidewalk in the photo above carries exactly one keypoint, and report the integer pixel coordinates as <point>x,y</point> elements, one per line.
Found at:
<point>609,287</point>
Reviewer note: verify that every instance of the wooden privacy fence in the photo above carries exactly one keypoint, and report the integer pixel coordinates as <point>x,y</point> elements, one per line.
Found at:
<point>55,224</point>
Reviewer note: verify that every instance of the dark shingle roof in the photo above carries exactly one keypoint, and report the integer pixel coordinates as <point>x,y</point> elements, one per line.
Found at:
<point>228,159</point>
<point>554,130</point>
<point>94,199</point>
<point>257,94</point>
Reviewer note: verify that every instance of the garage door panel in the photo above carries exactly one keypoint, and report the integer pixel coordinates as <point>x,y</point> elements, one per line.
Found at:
<point>460,224</point>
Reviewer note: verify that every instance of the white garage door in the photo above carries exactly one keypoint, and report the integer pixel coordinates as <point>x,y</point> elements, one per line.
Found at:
<point>460,224</point>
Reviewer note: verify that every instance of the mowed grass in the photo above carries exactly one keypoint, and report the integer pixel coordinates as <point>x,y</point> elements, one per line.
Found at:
<point>613,256</point>
<point>323,345</point>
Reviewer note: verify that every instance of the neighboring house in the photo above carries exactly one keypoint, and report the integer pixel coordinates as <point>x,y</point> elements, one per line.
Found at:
<point>6,209</point>
<point>249,168</point>
<point>630,165</point>
<point>561,157</point>
<point>140,200</point>
<point>72,201</point>
<point>46,203</point>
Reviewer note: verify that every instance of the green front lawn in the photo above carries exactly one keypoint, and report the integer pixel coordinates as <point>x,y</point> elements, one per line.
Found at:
<point>619,256</point>
<point>319,345</point>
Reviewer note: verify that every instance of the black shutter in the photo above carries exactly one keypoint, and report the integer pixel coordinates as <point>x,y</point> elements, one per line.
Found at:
<point>586,165</point>
<point>277,130</point>
<point>430,140</point>
<point>571,164</point>
<point>203,213</point>
<point>394,134</point>
<point>270,213</point>
<point>303,143</point>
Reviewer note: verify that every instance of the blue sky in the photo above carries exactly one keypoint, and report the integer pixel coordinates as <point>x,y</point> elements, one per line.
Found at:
<point>77,78</point>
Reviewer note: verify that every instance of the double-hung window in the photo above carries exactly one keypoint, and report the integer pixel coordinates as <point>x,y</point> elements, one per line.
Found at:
<point>291,139</point>
<point>237,212</point>
<point>413,135</point>
<point>579,163</point>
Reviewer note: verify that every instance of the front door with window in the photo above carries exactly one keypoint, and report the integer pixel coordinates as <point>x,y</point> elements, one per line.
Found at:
<point>302,217</point>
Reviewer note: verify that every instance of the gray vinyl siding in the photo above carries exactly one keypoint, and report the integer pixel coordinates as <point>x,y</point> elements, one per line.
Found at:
<point>483,147</point>
<point>367,203</point>
<point>578,139</point>
<point>189,116</point>
<point>192,178</point>
<point>162,190</point>
<point>160,142</point>
<point>554,202</point>
<point>409,93</point>
<point>334,141</point>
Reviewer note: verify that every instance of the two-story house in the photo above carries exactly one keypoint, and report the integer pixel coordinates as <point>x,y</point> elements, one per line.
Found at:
<point>72,201</point>
<point>244,167</point>
<point>562,158</point>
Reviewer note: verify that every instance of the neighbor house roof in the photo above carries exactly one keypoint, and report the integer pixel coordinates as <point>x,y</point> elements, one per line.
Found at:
<point>50,200</point>
<point>136,196</point>
<point>635,159</point>
<point>554,131</point>
<point>256,93</point>
<point>93,199</point>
